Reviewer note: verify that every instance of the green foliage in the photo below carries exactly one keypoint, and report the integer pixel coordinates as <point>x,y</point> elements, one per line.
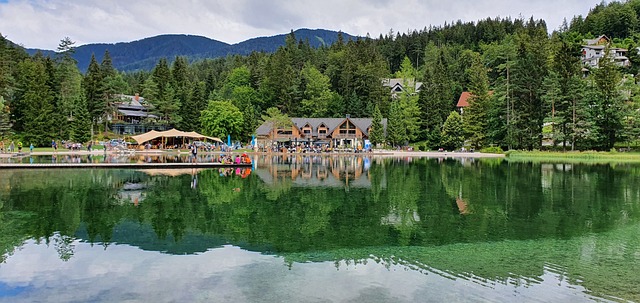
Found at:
<point>376,134</point>
<point>492,150</point>
<point>396,133</point>
<point>476,114</point>
<point>452,132</point>
<point>317,94</point>
<point>220,119</point>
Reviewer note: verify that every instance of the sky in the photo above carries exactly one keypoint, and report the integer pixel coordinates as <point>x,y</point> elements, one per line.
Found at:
<point>43,23</point>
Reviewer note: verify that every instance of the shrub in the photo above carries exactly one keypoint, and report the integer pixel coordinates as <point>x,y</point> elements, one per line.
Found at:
<point>492,150</point>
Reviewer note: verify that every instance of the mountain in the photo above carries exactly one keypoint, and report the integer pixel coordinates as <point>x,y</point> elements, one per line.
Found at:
<point>143,54</point>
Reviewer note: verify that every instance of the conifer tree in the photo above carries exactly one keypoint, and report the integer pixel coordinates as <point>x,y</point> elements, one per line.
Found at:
<point>376,134</point>
<point>396,131</point>
<point>37,98</point>
<point>452,132</point>
<point>435,99</point>
<point>94,90</point>
<point>475,115</point>
<point>609,103</point>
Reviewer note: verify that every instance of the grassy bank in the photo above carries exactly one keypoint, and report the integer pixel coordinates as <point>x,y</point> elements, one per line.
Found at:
<point>582,157</point>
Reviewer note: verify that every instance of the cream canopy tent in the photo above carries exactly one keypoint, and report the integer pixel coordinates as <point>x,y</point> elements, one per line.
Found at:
<point>148,136</point>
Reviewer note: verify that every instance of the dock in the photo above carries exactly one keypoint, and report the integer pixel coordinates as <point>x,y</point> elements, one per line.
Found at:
<point>119,165</point>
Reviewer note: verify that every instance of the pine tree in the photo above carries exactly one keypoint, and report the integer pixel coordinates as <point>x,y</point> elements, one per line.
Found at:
<point>37,98</point>
<point>476,114</point>
<point>376,134</point>
<point>435,99</point>
<point>529,72</point>
<point>609,105</point>
<point>94,90</point>
<point>396,131</point>
<point>563,92</point>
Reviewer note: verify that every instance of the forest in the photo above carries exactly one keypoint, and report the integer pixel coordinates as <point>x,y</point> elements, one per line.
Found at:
<point>530,89</point>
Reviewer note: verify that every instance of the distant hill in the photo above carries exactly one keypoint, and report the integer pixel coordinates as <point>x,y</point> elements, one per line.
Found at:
<point>143,54</point>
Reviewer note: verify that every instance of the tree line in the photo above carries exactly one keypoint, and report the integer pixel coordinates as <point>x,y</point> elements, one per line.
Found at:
<point>527,86</point>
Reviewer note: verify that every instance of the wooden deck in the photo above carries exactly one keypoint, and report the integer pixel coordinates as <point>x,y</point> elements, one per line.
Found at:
<point>117,165</point>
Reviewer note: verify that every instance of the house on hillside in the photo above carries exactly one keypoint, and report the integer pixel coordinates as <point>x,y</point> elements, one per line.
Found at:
<point>593,50</point>
<point>399,85</point>
<point>132,115</point>
<point>332,132</point>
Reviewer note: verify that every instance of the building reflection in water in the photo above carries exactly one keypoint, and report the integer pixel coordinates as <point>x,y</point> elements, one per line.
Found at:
<point>315,170</point>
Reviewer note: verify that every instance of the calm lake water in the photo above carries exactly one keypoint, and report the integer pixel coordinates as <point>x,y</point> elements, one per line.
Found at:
<point>323,229</point>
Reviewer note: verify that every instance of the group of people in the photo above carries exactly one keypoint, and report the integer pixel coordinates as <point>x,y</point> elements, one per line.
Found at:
<point>243,159</point>
<point>12,147</point>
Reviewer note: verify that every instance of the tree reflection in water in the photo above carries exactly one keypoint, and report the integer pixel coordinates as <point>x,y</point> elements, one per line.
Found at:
<point>486,219</point>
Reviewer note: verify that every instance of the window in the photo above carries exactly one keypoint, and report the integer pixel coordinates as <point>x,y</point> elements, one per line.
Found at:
<point>347,128</point>
<point>306,131</point>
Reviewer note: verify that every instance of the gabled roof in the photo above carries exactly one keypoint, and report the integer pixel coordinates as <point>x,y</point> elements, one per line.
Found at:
<point>331,123</point>
<point>464,99</point>
<point>602,39</point>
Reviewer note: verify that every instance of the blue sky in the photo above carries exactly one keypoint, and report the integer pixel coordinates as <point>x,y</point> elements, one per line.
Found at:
<point>43,23</point>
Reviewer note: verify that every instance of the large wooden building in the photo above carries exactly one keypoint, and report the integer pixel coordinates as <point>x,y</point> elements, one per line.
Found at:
<point>334,132</point>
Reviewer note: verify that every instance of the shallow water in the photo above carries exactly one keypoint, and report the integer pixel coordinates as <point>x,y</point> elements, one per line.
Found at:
<point>323,229</point>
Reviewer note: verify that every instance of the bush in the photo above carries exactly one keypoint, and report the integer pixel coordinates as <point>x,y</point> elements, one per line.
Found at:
<point>492,150</point>
<point>422,147</point>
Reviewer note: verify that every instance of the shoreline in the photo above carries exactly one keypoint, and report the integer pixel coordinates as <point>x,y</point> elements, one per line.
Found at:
<point>375,153</point>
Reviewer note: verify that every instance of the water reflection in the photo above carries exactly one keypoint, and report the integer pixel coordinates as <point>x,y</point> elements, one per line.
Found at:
<point>489,222</point>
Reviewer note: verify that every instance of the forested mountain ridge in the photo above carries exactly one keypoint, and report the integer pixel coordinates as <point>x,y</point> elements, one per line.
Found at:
<point>143,54</point>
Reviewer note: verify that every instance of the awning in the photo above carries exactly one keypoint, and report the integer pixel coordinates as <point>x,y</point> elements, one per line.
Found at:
<point>148,136</point>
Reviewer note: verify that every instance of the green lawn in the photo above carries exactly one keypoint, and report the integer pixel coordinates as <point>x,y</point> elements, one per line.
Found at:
<point>586,156</point>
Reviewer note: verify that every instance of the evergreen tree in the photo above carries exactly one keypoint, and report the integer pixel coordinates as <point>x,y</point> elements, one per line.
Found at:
<point>563,93</point>
<point>94,90</point>
<point>476,114</point>
<point>163,96</point>
<point>39,123</point>
<point>435,99</point>
<point>5,121</point>
<point>376,133</point>
<point>106,65</point>
<point>529,71</point>
<point>609,104</point>
<point>452,132</point>
<point>396,132</point>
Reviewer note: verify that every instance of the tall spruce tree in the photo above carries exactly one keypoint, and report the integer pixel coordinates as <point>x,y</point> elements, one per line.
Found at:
<point>435,99</point>
<point>609,103</point>
<point>396,131</point>
<point>452,132</point>
<point>563,93</point>
<point>376,134</point>
<point>94,90</point>
<point>475,115</point>
<point>529,72</point>
<point>37,98</point>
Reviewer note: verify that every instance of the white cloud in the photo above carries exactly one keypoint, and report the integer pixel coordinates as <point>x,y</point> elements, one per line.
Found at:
<point>42,23</point>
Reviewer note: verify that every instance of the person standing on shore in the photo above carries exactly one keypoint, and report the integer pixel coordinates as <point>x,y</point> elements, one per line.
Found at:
<point>11,147</point>
<point>31,148</point>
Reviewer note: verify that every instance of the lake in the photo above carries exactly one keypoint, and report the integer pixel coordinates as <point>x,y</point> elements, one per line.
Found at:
<point>323,229</point>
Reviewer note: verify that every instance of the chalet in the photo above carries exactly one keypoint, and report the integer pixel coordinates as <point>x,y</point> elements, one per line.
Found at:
<point>132,115</point>
<point>399,85</point>
<point>593,50</point>
<point>334,132</point>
